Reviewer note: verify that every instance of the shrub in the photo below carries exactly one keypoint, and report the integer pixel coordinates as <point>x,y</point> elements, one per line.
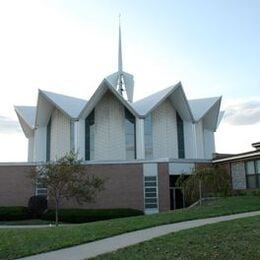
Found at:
<point>36,206</point>
<point>13,213</point>
<point>208,181</point>
<point>249,192</point>
<point>90,215</point>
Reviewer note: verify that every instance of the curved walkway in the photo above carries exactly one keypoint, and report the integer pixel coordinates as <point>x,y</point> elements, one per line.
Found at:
<point>34,226</point>
<point>113,243</point>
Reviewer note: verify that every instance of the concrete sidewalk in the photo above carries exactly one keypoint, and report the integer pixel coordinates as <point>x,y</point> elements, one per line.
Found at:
<point>35,226</point>
<point>113,243</point>
<point>26,226</point>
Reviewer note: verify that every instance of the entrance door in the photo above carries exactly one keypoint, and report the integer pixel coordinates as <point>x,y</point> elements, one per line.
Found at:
<point>177,198</point>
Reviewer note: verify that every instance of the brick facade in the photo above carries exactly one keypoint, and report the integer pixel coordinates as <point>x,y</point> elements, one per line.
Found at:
<point>123,187</point>
<point>15,186</point>
<point>164,186</point>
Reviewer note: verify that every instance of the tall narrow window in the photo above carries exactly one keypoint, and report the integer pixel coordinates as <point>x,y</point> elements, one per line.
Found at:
<point>257,171</point>
<point>150,192</point>
<point>72,133</point>
<point>180,133</point>
<point>251,174</point>
<point>89,136</point>
<point>48,141</point>
<point>148,138</point>
<point>130,135</point>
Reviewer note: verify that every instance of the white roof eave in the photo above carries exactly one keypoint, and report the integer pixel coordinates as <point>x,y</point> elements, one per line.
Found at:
<point>27,129</point>
<point>28,119</point>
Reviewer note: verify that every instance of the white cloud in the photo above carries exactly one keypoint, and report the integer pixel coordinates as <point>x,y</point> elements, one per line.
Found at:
<point>240,126</point>
<point>9,126</point>
<point>243,113</point>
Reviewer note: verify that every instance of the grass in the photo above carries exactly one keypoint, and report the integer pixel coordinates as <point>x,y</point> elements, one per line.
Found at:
<point>236,239</point>
<point>33,241</point>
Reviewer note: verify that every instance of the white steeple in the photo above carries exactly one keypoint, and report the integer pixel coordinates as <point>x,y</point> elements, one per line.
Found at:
<point>120,62</point>
<point>120,80</point>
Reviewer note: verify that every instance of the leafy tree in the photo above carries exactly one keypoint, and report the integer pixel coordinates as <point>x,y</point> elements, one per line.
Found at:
<point>205,182</point>
<point>67,178</point>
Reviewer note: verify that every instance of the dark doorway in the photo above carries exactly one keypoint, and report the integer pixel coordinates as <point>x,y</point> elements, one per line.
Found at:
<point>177,196</point>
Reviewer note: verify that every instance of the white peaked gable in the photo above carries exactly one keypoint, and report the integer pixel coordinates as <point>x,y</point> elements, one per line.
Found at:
<point>145,105</point>
<point>206,109</point>
<point>175,93</point>
<point>27,113</point>
<point>26,116</point>
<point>71,106</point>
<point>48,101</point>
<point>200,120</point>
<point>99,93</point>
<point>201,106</point>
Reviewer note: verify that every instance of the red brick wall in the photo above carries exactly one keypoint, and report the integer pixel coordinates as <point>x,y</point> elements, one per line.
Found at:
<point>15,186</point>
<point>163,185</point>
<point>123,187</point>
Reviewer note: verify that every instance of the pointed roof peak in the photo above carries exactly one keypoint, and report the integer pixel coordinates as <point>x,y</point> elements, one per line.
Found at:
<point>71,106</point>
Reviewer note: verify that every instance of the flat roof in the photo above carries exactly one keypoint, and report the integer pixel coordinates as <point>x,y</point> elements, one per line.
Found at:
<point>238,156</point>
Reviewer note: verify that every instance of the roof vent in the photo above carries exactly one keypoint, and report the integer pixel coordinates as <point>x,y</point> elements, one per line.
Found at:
<point>256,145</point>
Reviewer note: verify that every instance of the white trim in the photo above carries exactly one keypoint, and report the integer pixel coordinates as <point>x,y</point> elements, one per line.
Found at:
<point>140,147</point>
<point>163,160</point>
<point>76,136</point>
<point>242,156</point>
<point>195,140</point>
<point>19,164</point>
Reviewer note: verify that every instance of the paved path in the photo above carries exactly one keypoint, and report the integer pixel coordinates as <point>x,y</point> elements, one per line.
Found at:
<point>113,243</point>
<point>34,226</point>
<point>26,226</point>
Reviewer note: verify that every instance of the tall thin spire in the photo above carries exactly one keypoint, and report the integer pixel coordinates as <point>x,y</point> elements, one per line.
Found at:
<point>122,81</point>
<point>120,62</point>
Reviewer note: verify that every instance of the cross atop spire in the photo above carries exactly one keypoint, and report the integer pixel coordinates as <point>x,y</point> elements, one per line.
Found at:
<point>120,80</point>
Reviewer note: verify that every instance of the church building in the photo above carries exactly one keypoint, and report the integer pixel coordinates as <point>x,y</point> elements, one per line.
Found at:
<point>163,132</point>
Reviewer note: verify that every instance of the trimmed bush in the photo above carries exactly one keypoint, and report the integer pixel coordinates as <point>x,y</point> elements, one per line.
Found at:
<point>13,213</point>
<point>248,192</point>
<point>36,206</point>
<point>90,215</point>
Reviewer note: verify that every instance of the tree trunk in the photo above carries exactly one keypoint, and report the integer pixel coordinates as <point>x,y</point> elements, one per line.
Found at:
<point>200,191</point>
<point>57,212</point>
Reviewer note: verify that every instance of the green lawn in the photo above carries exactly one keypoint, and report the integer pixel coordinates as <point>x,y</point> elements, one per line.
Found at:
<point>236,239</point>
<point>33,241</point>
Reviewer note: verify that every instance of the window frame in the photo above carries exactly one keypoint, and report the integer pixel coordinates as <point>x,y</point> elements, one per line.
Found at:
<point>255,175</point>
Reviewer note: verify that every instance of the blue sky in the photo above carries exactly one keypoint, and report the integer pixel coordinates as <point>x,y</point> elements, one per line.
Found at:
<point>70,46</point>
